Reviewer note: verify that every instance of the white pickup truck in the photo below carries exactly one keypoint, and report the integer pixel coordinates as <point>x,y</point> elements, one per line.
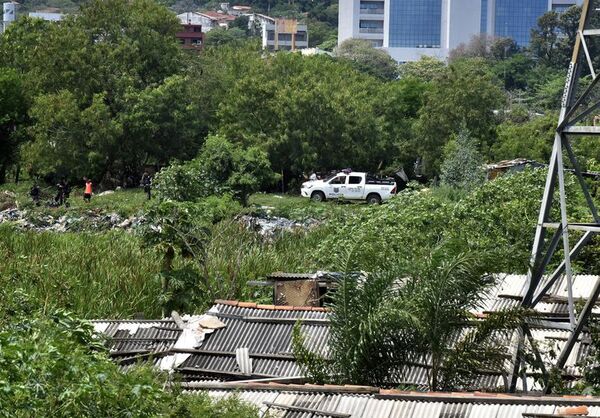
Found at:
<point>350,186</point>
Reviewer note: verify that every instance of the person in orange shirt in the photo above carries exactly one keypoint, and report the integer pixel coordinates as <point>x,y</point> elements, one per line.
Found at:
<point>87,194</point>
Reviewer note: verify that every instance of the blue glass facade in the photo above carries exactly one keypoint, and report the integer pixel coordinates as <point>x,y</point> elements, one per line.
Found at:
<point>516,18</point>
<point>415,24</point>
<point>484,13</point>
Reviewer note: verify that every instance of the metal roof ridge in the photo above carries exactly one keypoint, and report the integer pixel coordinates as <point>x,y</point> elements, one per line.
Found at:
<point>254,305</point>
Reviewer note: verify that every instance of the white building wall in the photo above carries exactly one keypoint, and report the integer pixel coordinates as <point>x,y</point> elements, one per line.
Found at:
<point>52,17</point>
<point>348,18</point>
<point>464,22</point>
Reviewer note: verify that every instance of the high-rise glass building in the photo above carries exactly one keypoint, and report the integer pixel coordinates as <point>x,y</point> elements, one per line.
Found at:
<point>415,24</point>
<point>515,18</point>
<point>409,29</point>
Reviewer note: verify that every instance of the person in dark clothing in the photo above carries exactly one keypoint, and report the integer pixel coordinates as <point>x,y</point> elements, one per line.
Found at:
<point>60,192</point>
<point>146,183</point>
<point>66,193</point>
<point>35,194</point>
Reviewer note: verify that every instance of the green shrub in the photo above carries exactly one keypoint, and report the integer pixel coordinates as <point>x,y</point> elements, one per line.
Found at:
<point>55,366</point>
<point>221,167</point>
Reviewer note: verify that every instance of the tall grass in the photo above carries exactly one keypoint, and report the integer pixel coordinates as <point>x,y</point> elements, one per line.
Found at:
<point>110,275</point>
<point>94,275</point>
<point>236,255</point>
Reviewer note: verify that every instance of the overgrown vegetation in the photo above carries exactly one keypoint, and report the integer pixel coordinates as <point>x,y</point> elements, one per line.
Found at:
<point>107,92</point>
<point>54,365</point>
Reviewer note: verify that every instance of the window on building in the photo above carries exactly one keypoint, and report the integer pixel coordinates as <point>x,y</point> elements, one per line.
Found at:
<point>301,36</point>
<point>271,35</point>
<point>516,18</point>
<point>415,24</point>
<point>285,37</point>
<point>371,26</point>
<point>561,8</point>
<point>484,13</point>
<point>371,7</point>
<point>197,29</point>
<point>377,43</point>
<point>197,41</point>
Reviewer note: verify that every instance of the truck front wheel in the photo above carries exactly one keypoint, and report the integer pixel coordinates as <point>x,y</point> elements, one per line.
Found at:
<point>374,199</point>
<point>317,197</point>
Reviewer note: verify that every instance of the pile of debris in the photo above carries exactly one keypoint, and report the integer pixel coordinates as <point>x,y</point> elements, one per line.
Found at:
<point>87,221</point>
<point>271,227</point>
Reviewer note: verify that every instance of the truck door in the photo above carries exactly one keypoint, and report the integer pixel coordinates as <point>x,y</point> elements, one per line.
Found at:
<point>337,186</point>
<point>355,187</point>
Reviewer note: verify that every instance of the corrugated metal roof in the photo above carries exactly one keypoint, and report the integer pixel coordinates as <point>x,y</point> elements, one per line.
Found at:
<point>394,404</point>
<point>266,332</point>
<point>510,289</point>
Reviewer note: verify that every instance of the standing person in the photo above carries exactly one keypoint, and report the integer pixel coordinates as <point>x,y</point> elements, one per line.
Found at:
<point>313,176</point>
<point>60,193</point>
<point>35,194</point>
<point>87,194</point>
<point>147,184</point>
<point>66,192</point>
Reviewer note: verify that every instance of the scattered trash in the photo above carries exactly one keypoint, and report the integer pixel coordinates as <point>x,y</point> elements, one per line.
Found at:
<point>76,222</point>
<point>272,226</point>
<point>106,193</point>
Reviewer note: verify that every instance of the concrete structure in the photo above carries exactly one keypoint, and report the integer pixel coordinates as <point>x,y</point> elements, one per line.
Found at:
<point>409,29</point>
<point>50,16</point>
<point>191,37</point>
<point>9,13</point>
<point>208,20</point>
<point>280,34</point>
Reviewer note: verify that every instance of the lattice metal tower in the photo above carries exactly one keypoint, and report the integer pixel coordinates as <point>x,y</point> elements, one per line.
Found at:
<point>577,108</point>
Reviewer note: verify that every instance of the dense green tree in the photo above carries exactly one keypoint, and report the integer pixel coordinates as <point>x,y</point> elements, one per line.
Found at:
<point>165,121</point>
<point>320,33</point>
<point>70,141</point>
<point>91,70</point>
<point>221,167</point>
<point>464,96</point>
<point>308,113</point>
<point>243,171</point>
<point>553,39</point>
<point>544,38</point>
<point>463,164</point>
<point>426,69</point>
<point>530,139</point>
<point>13,108</point>
<point>515,72</point>
<point>224,36</point>
<point>399,107</point>
<point>361,54</point>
